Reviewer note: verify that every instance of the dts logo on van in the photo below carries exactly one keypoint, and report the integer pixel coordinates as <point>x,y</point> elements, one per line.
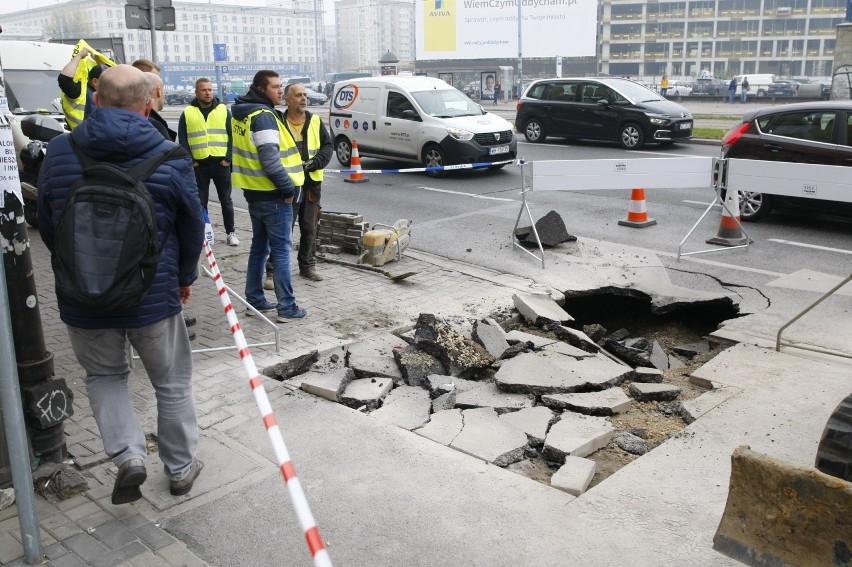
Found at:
<point>346,97</point>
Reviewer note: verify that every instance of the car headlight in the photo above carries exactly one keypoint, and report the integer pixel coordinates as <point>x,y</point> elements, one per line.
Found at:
<point>460,134</point>
<point>658,119</point>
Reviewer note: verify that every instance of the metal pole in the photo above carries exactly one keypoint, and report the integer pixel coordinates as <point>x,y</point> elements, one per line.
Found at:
<point>219,86</point>
<point>153,20</point>
<point>16,435</point>
<point>520,49</point>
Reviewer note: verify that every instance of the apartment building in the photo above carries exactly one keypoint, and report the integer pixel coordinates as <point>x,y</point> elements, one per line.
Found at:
<point>367,29</point>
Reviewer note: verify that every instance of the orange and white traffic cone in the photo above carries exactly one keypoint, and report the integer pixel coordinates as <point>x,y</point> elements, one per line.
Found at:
<point>356,176</point>
<point>637,216</point>
<point>730,232</point>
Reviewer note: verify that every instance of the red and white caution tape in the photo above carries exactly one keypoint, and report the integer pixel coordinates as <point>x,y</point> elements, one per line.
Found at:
<point>297,495</point>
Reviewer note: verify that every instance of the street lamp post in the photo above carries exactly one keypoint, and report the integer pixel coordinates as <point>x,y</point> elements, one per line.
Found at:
<point>219,85</point>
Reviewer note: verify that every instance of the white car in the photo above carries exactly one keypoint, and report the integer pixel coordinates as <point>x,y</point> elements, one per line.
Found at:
<point>678,88</point>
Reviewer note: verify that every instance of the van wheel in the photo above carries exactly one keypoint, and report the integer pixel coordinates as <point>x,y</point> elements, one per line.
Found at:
<point>534,131</point>
<point>434,156</point>
<point>343,151</point>
<point>631,137</point>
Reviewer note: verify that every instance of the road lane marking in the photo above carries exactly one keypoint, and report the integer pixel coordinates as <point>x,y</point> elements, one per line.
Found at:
<point>814,246</point>
<point>462,194</point>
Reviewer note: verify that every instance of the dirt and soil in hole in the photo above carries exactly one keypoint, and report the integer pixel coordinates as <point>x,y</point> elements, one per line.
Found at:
<point>653,420</point>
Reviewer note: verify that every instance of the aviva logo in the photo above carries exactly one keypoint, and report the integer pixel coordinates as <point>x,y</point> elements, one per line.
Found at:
<point>439,25</point>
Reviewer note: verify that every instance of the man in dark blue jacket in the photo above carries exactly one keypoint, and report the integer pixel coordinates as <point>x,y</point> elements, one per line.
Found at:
<point>117,131</point>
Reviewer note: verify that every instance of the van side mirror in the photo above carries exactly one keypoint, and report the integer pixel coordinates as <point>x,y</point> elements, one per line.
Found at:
<point>411,115</point>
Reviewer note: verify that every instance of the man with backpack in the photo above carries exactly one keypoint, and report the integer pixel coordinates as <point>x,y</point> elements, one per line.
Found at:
<point>119,211</point>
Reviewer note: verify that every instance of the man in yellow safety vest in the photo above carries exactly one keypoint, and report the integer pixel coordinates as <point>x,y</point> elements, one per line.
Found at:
<point>78,80</point>
<point>268,168</point>
<point>205,131</point>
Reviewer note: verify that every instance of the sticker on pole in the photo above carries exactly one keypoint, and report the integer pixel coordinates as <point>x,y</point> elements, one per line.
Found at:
<point>346,97</point>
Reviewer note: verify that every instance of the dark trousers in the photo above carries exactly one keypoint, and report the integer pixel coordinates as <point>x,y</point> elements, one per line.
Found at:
<point>208,170</point>
<point>307,212</point>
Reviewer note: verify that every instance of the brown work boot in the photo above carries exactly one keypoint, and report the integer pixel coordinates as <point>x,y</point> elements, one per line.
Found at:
<point>184,485</point>
<point>131,475</point>
<point>269,283</point>
<point>312,274</point>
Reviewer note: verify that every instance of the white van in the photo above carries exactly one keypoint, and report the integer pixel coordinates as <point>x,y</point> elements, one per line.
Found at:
<point>758,83</point>
<point>417,119</point>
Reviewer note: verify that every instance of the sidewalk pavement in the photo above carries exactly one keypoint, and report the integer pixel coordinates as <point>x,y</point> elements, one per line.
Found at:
<point>386,496</point>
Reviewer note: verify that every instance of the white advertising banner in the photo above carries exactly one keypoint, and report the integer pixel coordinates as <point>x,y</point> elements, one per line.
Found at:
<point>488,29</point>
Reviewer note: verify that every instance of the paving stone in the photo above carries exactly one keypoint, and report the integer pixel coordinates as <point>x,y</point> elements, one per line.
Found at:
<point>692,349</point>
<point>630,443</point>
<point>459,355</point>
<point>521,336</point>
<point>542,373</point>
<point>647,375</point>
<point>696,407</point>
<point>533,421</point>
<point>68,560</point>
<point>486,437</point>
<point>113,534</point>
<point>178,554</point>
<point>406,406</point>
<point>488,394</point>
<point>577,435</point>
<point>374,356</point>
<point>606,402</point>
<point>444,402</point>
<point>491,336</point>
<point>573,337</point>
<point>366,391</point>
<point>119,556</point>
<point>540,309</point>
<point>443,426</point>
<point>152,536</point>
<point>85,546</point>
<point>574,476</point>
<point>328,385</point>
<point>654,392</point>
<point>417,365</point>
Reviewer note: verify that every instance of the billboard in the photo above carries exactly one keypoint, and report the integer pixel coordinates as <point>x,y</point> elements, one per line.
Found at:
<point>488,29</point>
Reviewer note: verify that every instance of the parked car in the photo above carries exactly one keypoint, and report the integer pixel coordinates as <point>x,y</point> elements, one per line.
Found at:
<point>178,98</point>
<point>678,88</point>
<point>783,88</point>
<point>315,98</point>
<point>602,108</point>
<point>804,132</point>
<point>710,86</point>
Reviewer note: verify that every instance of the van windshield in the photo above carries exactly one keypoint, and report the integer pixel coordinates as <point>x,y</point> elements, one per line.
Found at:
<point>446,103</point>
<point>26,90</point>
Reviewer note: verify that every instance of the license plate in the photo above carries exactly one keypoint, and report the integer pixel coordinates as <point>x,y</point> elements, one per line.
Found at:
<point>498,150</point>
<point>685,125</point>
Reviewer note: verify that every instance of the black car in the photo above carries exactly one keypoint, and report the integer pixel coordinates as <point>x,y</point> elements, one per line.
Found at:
<point>610,109</point>
<point>783,88</point>
<point>805,132</point>
<point>710,86</point>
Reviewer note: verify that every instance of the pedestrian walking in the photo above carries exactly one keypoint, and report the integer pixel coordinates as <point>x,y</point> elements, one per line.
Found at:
<point>154,327</point>
<point>497,89</point>
<point>204,129</point>
<point>664,85</point>
<point>732,91</point>
<point>268,168</point>
<point>744,92</point>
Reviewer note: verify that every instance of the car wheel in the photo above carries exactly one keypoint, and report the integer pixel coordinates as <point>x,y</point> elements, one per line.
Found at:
<point>31,213</point>
<point>343,151</point>
<point>631,137</point>
<point>534,131</point>
<point>754,206</point>
<point>761,93</point>
<point>434,156</point>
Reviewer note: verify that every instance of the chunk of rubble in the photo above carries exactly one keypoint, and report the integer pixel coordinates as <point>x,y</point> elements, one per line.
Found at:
<point>566,350</point>
<point>540,309</point>
<point>533,421</point>
<point>573,337</point>
<point>417,365</point>
<point>485,436</point>
<point>647,375</point>
<point>574,476</point>
<point>696,407</point>
<point>459,355</point>
<point>366,392</point>
<point>542,373</point>
<point>330,359</point>
<point>406,407</point>
<point>654,392</point>
<point>607,402</point>
<point>619,335</point>
<point>374,356</point>
<point>487,394</point>
<point>630,443</point>
<point>443,427</point>
<point>537,341</point>
<point>595,331</point>
<point>675,362</point>
<point>444,402</point>
<point>577,435</point>
<point>440,384</point>
<point>632,356</point>
<point>293,367</point>
<point>692,349</point>
<point>659,358</point>
<point>491,336</point>
<point>551,231</point>
<point>328,385</point>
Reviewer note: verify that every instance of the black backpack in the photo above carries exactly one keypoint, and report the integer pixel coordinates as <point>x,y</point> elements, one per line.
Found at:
<point>106,251</point>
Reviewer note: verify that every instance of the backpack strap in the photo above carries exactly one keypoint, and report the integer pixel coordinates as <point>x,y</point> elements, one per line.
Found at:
<point>143,171</point>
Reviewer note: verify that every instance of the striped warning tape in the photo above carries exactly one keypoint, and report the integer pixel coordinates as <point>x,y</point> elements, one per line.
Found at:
<point>288,471</point>
<point>428,169</point>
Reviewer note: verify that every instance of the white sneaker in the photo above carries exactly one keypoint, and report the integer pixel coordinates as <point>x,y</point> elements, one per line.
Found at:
<point>232,239</point>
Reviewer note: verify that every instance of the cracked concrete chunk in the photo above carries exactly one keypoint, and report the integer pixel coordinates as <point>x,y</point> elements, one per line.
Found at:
<point>647,375</point>
<point>542,373</point>
<point>292,367</point>
<point>573,337</point>
<point>607,402</point>
<point>443,427</point>
<point>696,407</point>
<point>595,331</point>
<point>444,402</point>
<point>417,365</point>
<point>328,385</point>
<point>406,406</point>
<point>577,435</point>
<point>330,359</point>
<point>491,336</point>
<point>374,356</point>
<point>487,394</point>
<point>566,350</point>
<point>521,336</point>
<point>540,309</point>
<point>533,421</point>
<point>659,359</point>
<point>440,384</point>
<point>485,436</point>
<point>459,355</point>
<point>366,391</point>
<point>631,443</point>
<point>692,349</point>
<point>632,356</point>
<point>654,392</point>
<point>551,231</point>
<point>574,476</point>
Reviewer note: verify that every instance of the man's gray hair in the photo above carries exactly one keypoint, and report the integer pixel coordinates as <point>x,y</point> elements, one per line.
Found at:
<point>125,87</point>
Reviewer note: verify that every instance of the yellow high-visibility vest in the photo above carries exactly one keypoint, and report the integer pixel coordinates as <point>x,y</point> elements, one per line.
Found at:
<point>207,137</point>
<point>246,170</point>
<point>314,144</point>
<point>75,109</point>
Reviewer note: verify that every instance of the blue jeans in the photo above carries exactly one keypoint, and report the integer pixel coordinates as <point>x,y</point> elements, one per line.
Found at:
<point>166,354</point>
<point>744,95</point>
<point>272,232</point>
